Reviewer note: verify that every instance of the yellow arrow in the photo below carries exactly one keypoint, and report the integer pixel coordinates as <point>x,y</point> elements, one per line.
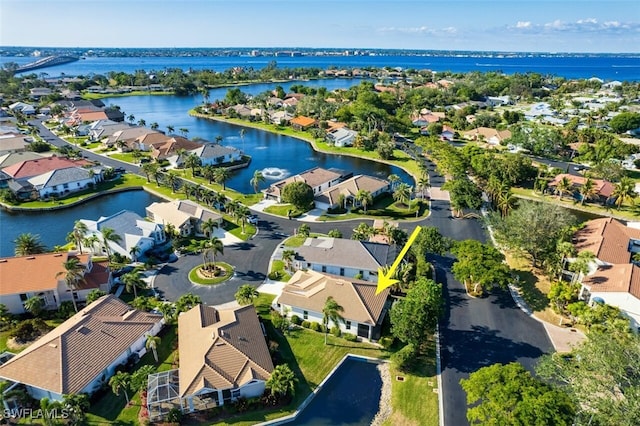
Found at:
<point>385,281</point>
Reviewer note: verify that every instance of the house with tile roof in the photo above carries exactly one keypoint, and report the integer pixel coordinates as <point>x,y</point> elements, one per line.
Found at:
<point>223,356</point>
<point>613,276</point>
<point>10,159</point>
<point>170,147</point>
<point>81,354</point>
<point>307,291</point>
<point>342,136</point>
<point>487,134</point>
<point>330,198</point>
<point>104,128</point>
<point>210,154</point>
<point>343,257</point>
<point>125,135</point>
<point>186,216</point>
<point>42,275</point>
<point>61,182</point>
<point>14,143</point>
<point>303,123</point>
<point>30,168</point>
<point>317,178</point>
<point>604,189</point>
<point>132,229</point>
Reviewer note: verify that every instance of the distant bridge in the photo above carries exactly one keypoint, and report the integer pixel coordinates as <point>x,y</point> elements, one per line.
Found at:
<point>49,61</point>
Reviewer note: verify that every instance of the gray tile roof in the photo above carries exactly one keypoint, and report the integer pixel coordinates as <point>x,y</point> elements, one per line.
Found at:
<point>343,253</point>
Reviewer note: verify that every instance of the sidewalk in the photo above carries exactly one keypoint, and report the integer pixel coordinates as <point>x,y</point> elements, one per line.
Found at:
<point>263,204</point>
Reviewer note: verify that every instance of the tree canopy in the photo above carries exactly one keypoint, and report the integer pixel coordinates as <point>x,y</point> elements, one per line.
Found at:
<point>480,265</point>
<point>299,194</point>
<point>414,318</point>
<point>509,395</point>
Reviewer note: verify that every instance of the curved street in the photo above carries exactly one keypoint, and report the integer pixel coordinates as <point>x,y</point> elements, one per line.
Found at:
<point>474,332</point>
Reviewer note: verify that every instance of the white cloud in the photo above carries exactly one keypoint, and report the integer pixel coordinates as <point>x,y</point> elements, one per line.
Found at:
<point>523,24</point>
<point>586,25</point>
<point>422,30</point>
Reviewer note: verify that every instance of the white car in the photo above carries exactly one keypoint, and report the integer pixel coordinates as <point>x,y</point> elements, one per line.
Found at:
<point>253,219</point>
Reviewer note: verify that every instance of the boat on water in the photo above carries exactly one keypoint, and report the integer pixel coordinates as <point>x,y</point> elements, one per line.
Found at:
<point>48,61</point>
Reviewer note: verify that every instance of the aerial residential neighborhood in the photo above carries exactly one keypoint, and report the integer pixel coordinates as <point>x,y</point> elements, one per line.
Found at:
<point>442,227</point>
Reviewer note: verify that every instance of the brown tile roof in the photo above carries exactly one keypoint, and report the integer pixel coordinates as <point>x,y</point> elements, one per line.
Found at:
<point>615,278</point>
<point>334,125</point>
<point>487,133</point>
<point>171,146</point>
<point>93,115</point>
<point>72,355</point>
<point>351,186</point>
<point>30,168</point>
<point>603,187</point>
<point>37,273</point>
<point>313,177</point>
<point>607,238</point>
<point>310,290</point>
<point>221,348</point>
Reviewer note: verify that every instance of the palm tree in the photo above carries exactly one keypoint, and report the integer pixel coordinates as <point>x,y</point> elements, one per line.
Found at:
<point>80,230</point>
<point>120,382</point>
<point>77,405</point>
<point>209,226</point>
<point>150,169</point>
<point>91,241</point>
<point>168,311</point>
<point>142,122</point>
<point>34,305</point>
<point>187,301</point>
<point>27,244</point>
<point>393,180</point>
<point>170,129</point>
<point>242,213</point>
<point>582,263</point>
<point>362,232</point>
<point>219,139</point>
<point>365,198</point>
<point>588,190</point>
<point>134,252</point>
<point>215,246</point>
<point>287,258</point>
<point>49,410</point>
<point>424,185</point>
<point>564,249</point>
<point>152,343</point>
<point>245,294</point>
<point>282,380</point>
<point>133,281</point>
<point>172,180</point>
<point>109,235</point>
<point>154,125</point>
<point>184,131</point>
<point>331,312</point>
<point>222,176</point>
<point>624,191</point>
<point>131,118</point>
<point>506,202</point>
<point>192,161</point>
<point>73,275</point>
<point>257,178</point>
<point>563,186</point>
<point>208,172</point>
<point>402,194</point>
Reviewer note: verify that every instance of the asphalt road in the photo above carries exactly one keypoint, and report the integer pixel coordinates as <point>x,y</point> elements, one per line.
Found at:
<point>474,332</point>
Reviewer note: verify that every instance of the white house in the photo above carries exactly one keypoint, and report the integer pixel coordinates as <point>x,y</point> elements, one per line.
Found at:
<point>81,354</point>
<point>343,257</point>
<point>342,136</point>
<point>61,182</point>
<point>223,356</point>
<point>307,291</point>
<point>132,230</point>
<point>210,154</point>
<point>23,107</point>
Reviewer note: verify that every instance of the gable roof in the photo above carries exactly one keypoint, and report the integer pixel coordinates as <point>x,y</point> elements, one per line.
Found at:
<point>221,348</point>
<point>12,158</point>
<point>177,212</point>
<point>603,187</point>
<point>72,355</point>
<point>343,252</point>
<point>303,121</point>
<point>616,279</point>
<point>310,290</point>
<point>607,238</point>
<point>314,177</point>
<point>210,150</point>
<point>60,177</point>
<point>487,133</point>
<point>171,146</point>
<point>29,168</point>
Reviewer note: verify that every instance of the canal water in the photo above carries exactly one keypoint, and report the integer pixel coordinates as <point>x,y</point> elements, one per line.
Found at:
<point>281,155</point>
<point>53,226</point>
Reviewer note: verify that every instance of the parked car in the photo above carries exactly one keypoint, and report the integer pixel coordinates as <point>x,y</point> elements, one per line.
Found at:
<point>253,219</point>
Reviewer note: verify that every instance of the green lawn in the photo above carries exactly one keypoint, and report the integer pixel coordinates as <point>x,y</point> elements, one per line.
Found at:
<point>193,275</point>
<point>298,240</point>
<point>277,267</point>
<point>128,157</point>
<point>384,207</point>
<point>284,209</point>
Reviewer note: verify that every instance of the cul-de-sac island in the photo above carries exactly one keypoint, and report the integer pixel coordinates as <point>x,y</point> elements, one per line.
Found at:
<point>501,207</point>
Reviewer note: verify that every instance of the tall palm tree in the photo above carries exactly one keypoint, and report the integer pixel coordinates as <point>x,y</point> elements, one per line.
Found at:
<point>256,180</point>
<point>624,191</point>
<point>208,172</point>
<point>184,131</point>
<point>506,202</point>
<point>27,244</point>
<point>170,129</point>
<point>80,230</point>
<point>142,122</point>
<point>172,180</point>
<point>222,176</point>
<point>331,312</point>
<point>565,185</point>
<point>134,252</point>
<point>209,226</point>
<point>362,232</point>
<point>365,198</point>
<point>588,190</point>
<point>120,382</point>
<point>394,180</point>
<point>133,281</point>
<point>150,169</point>
<point>73,274</point>
<point>154,125</point>
<point>215,246</point>
<point>91,241</point>
<point>152,343</point>
<point>242,213</point>
<point>193,162</point>
<point>109,235</point>
<point>287,257</point>
<point>49,409</point>
<point>424,185</point>
<point>402,194</point>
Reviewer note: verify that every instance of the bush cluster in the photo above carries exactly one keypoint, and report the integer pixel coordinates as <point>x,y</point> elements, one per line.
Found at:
<point>336,331</point>
<point>306,324</point>
<point>296,320</point>
<point>316,326</point>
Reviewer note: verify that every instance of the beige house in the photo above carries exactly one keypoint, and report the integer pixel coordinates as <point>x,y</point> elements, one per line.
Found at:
<point>349,188</point>
<point>42,275</point>
<point>223,356</point>
<point>307,291</point>
<point>488,135</point>
<point>317,178</point>
<point>82,353</point>
<point>186,216</point>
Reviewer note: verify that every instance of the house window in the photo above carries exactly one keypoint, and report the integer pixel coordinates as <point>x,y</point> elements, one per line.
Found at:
<point>23,297</point>
<point>305,314</point>
<point>308,265</point>
<point>65,186</point>
<point>361,273</point>
<point>324,268</point>
<point>347,325</point>
<point>342,272</point>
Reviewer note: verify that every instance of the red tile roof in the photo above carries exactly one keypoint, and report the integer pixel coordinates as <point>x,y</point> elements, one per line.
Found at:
<point>607,238</point>
<point>30,168</point>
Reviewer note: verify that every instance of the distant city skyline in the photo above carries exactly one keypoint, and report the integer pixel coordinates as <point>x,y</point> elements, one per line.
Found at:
<point>516,25</point>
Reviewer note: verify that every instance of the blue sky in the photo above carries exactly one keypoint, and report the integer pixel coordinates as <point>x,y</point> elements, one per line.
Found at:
<point>515,25</point>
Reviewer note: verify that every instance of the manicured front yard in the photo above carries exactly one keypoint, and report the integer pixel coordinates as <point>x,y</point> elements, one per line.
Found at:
<point>283,210</point>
